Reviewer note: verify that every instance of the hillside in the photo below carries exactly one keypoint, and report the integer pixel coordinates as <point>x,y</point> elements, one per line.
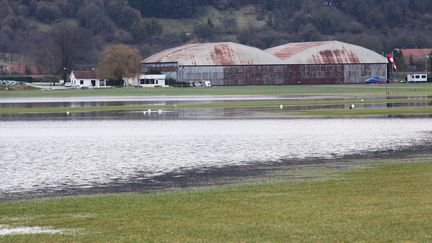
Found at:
<point>152,25</point>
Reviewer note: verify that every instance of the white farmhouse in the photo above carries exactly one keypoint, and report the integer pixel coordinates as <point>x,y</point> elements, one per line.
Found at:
<point>147,80</point>
<point>86,78</point>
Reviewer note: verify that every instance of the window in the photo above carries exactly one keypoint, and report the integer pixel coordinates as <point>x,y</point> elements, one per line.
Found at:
<point>417,76</point>
<point>423,76</point>
<point>147,81</point>
<point>81,81</point>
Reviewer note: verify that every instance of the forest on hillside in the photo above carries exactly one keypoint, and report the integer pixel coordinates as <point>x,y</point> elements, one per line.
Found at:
<point>27,26</point>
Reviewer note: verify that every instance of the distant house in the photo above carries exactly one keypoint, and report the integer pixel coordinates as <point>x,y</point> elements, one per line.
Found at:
<point>417,58</point>
<point>20,69</point>
<point>86,78</point>
<point>12,64</point>
<point>147,80</point>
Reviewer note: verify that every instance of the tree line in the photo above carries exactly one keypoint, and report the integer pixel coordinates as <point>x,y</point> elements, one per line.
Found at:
<point>28,27</point>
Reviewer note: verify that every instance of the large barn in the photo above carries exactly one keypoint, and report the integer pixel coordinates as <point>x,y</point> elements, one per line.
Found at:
<point>331,62</point>
<point>223,63</point>
<point>229,64</point>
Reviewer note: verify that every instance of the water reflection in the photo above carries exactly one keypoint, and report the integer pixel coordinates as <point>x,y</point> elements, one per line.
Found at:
<point>57,155</point>
<point>38,102</point>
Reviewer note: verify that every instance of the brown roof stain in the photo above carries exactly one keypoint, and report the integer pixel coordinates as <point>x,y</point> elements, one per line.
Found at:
<point>336,56</point>
<point>223,55</point>
<point>193,60</point>
<point>85,74</point>
<point>284,52</point>
<point>327,56</point>
<point>325,52</point>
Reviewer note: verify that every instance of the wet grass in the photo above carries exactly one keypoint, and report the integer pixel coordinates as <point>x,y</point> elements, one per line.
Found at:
<point>399,111</point>
<point>244,104</point>
<point>391,202</point>
<point>340,90</point>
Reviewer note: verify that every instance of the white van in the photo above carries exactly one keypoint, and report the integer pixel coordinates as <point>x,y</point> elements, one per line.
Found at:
<point>417,77</point>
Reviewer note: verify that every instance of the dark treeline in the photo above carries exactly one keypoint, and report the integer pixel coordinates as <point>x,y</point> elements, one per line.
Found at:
<point>25,25</point>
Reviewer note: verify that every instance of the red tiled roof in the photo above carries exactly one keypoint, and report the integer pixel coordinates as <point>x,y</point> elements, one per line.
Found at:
<point>417,54</point>
<point>20,69</point>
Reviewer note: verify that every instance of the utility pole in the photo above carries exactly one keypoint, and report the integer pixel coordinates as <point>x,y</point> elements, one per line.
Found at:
<point>64,75</point>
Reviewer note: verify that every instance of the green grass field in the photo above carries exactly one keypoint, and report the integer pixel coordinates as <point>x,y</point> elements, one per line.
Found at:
<point>338,90</point>
<point>391,202</point>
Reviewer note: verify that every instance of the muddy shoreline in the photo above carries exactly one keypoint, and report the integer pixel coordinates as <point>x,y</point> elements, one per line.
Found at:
<point>283,170</point>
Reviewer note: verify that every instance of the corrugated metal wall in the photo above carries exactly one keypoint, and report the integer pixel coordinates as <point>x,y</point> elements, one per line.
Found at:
<point>358,73</point>
<point>239,75</point>
<point>315,74</point>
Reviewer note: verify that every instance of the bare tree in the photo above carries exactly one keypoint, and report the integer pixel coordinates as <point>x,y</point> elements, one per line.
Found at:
<point>119,61</point>
<point>65,45</point>
<point>7,60</point>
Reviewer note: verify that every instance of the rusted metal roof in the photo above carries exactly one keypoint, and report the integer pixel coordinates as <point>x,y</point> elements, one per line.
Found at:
<point>222,53</point>
<point>325,52</point>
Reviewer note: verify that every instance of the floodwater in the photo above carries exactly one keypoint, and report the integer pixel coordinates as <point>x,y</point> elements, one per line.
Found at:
<point>51,156</point>
<point>178,113</point>
<point>34,102</point>
<point>30,102</point>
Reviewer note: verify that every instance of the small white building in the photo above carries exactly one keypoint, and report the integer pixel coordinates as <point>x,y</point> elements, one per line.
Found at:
<point>147,80</point>
<point>417,77</point>
<point>86,78</point>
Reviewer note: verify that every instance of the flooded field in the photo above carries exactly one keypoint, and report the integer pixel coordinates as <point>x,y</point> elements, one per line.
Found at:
<point>51,156</point>
<point>29,102</point>
<point>72,102</point>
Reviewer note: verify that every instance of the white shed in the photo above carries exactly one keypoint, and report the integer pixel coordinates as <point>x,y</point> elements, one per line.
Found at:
<point>417,77</point>
<point>147,80</point>
<point>86,78</point>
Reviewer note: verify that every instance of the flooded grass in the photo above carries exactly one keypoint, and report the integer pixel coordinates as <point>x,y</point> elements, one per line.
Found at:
<point>359,112</point>
<point>309,104</point>
<point>393,89</point>
<point>308,100</point>
<point>391,202</point>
